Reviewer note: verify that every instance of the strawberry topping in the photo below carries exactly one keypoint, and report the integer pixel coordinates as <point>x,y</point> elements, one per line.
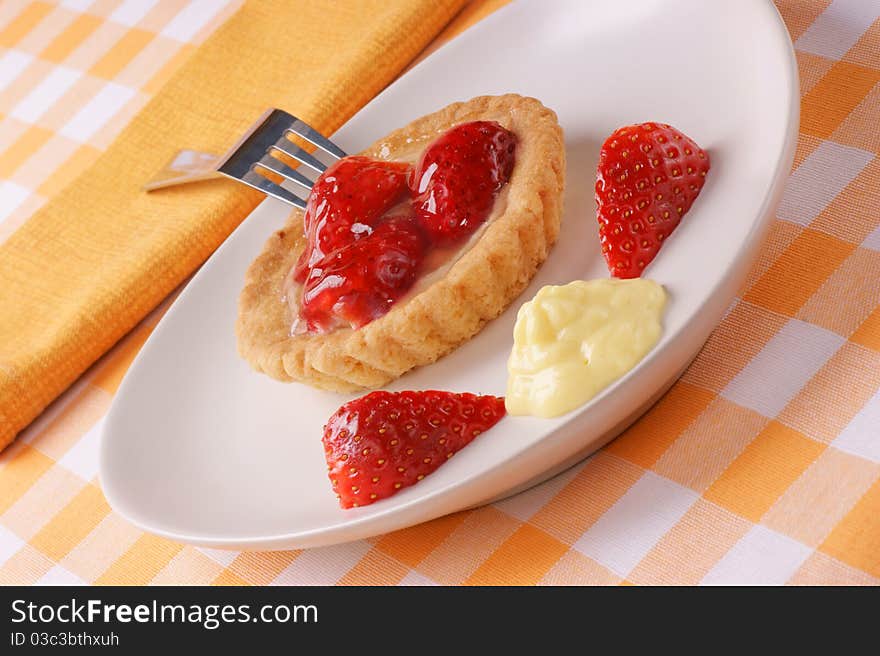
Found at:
<point>346,201</point>
<point>359,282</point>
<point>458,177</point>
<point>369,224</point>
<point>386,441</point>
<point>648,177</point>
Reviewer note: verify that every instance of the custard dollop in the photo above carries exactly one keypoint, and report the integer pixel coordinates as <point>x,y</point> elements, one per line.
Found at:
<point>571,341</point>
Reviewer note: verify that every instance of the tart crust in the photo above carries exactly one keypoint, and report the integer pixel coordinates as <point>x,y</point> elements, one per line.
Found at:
<point>452,309</point>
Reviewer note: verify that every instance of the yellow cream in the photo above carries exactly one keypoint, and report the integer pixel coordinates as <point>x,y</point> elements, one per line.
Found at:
<point>571,341</point>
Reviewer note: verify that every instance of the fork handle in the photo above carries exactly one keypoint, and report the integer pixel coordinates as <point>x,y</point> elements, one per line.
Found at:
<point>186,166</point>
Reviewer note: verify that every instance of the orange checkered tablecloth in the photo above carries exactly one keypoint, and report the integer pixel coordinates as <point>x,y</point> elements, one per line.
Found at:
<point>761,465</point>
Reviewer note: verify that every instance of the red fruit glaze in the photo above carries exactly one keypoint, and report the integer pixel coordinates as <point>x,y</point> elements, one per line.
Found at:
<point>359,282</point>
<point>351,196</point>
<point>358,261</point>
<point>386,441</point>
<point>458,177</point>
<point>648,177</point>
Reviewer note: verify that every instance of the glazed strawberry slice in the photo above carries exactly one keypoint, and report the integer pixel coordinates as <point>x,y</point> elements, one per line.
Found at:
<point>367,236</point>
<point>359,282</point>
<point>385,441</point>
<point>648,177</point>
<point>458,178</point>
<point>346,202</point>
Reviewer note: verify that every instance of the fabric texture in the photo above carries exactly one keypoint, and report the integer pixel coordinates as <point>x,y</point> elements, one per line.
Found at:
<point>761,465</point>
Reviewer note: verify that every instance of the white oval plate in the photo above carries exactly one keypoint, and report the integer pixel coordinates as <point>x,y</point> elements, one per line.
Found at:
<point>200,449</point>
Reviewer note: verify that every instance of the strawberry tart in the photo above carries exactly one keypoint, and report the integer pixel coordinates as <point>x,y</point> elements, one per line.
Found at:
<point>407,249</point>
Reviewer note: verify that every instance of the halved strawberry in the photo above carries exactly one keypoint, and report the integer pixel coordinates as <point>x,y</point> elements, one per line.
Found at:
<point>458,177</point>
<point>648,177</point>
<point>359,282</point>
<point>345,203</point>
<point>385,441</point>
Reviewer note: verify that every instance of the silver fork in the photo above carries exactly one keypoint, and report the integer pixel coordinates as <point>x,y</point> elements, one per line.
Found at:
<point>254,154</point>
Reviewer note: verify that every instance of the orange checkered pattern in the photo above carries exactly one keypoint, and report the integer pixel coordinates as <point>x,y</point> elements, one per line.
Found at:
<point>761,465</point>
<point>72,74</point>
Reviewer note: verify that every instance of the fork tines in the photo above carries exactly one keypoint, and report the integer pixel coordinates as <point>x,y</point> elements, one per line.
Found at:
<point>257,153</point>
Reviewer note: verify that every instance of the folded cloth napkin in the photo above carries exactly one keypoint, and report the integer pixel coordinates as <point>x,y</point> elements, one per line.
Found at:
<point>102,253</point>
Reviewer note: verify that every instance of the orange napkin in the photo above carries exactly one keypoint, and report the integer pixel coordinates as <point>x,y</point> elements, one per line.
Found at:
<point>102,253</point>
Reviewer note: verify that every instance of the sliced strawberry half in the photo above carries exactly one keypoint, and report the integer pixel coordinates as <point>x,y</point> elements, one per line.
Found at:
<point>386,441</point>
<point>458,177</point>
<point>345,203</point>
<point>359,282</point>
<point>647,179</point>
